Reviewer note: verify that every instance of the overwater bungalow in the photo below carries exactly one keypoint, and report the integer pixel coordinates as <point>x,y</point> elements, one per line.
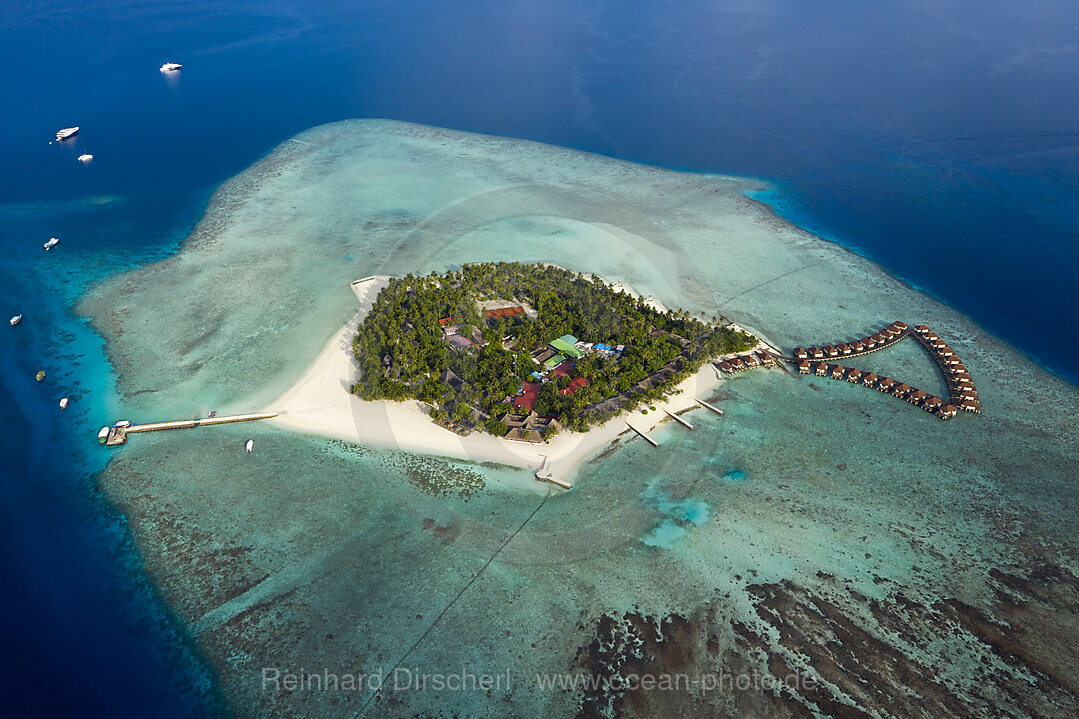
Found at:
<point>737,364</point>
<point>921,329</point>
<point>901,326</point>
<point>869,343</point>
<point>803,367</point>
<point>822,369</point>
<point>854,375</point>
<point>830,351</point>
<point>901,390</point>
<point>916,396</point>
<point>725,366</point>
<point>969,406</point>
<point>857,346</point>
<point>886,384</point>
<point>844,349</point>
<point>870,379</point>
<point>947,411</point>
<point>766,359</point>
<point>800,353</point>
<point>837,371</point>
<point>878,338</point>
<point>931,403</point>
<point>816,352</point>
<point>749,360</point>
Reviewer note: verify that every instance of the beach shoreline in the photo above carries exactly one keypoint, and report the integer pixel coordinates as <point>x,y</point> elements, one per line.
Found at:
<point>320,403</point>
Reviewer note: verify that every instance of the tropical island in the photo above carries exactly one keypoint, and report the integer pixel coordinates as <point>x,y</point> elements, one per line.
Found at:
<point>524,350</point>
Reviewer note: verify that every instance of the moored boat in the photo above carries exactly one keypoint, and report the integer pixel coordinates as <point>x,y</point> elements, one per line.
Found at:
<point>84,158</point>
<point>102,435</point>
<point>170,67</point>
<point>67,132</point>
<point>63,403</point>
<point>249,445</point>
<point>15,320</point>
<point>53,242</point>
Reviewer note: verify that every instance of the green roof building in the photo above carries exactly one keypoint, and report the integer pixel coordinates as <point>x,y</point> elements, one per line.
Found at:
<point>564,344</point>
<point>554,361</point>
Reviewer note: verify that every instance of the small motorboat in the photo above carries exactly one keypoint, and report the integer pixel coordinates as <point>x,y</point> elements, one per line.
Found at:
<point>170,67</point>
<point>53,242</point>
<point>103,435</point>
<point>40,376</point>
<point>63,403</point>
<point>15,320</point>
<point>249,445</point>
<point>84,158</point>
<point>66,133</point>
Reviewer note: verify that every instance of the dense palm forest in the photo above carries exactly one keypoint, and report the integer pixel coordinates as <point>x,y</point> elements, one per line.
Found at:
<point>403,351</point>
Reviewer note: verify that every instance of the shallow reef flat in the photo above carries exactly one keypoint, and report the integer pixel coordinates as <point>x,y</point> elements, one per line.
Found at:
<point>895,564</point>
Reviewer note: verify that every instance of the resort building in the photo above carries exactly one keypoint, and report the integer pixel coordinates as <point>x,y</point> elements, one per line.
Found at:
<point>916,396</point>
<point>565,345</point>
<point>830,351</point>
<point>553,362</point>
<point>844,349</point>
<point>901,391</point>
<point>800,353</point>
<point>816,352</point>
<point>803,367</point>
<point>526,399</point>
<point>822,369</point>
<point>947,411</point>
<point>837,371</point>
<point>870,379</point>
<point>575,384</point>
<point>886,384</point>
<point>857,346</point>
<point>854,375</point>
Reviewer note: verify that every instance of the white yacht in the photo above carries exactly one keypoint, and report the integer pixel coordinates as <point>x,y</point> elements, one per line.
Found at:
<point>84,158</point>
<point>249,445</point>
<point>63,403</point>
<point>16,320</point>
<point>171,67</point>
<point>53,242</point>
<point>67,132</point>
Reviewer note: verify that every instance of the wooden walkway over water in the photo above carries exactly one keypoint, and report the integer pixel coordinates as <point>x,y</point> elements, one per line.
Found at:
<point>118,433</point>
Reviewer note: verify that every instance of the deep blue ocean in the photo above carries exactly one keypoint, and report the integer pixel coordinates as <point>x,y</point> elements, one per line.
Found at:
<point>939,139</point>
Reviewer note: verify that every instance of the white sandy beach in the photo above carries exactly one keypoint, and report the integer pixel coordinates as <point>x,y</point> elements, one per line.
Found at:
<point>320,403</point>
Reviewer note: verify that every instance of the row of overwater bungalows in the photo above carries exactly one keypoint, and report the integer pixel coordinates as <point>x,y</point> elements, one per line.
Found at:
<point>746,361</point>
<point>960,384</point>
<point>872,343</point>
<point>882,384</point>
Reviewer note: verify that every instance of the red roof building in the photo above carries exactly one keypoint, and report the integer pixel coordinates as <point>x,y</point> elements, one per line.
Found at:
<point>445,321</point>
<point>575,384</point>
<point>527,399</point>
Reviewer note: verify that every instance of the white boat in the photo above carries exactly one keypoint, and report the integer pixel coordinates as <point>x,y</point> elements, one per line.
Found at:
<point>53,242</point>
<point>67,132</point>
<point>16,320</point>
<point>63,403</point>
<point>103,434</point>
<point>250,445</point>
<point>85,158</point>
<point>171,67</point>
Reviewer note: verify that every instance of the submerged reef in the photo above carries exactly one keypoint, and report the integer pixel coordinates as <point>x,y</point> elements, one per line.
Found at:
<point>908,567</point>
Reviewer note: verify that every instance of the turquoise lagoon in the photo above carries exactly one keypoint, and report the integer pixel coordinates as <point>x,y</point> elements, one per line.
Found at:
<point>811,514</point>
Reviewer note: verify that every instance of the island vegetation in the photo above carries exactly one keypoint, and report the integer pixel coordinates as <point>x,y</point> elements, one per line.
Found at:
<point>496,345</point>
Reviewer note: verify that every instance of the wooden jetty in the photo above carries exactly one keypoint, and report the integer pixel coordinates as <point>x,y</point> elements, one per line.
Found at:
<point>643,434</point>
<point>118,433</point>
<point>715,409</point>
<point>678,419</point>
<point>544,474</point>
